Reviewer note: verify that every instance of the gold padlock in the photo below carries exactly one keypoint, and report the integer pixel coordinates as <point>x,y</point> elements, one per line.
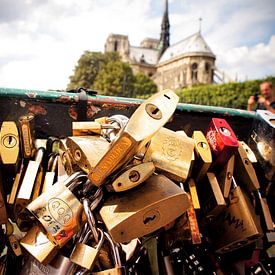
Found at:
<point>87,151</point>
<point>153,205</point>
<point>250,154</point>
<point>85,255</point>
<point>29,185</point>
<point>16,184</point>
<point>9,143</point>
<point>85,128</point>
<point>225,176</point>
<point>3,210</point>
<point>59,212</point>
<point>39,246</point>
<point>67,158</point>
<point>237,225</point>
<point>27,135</point>
<point>211,197</point>
<point>203,157</point>
<point>194,194</point>
<point>50,174</point>
<point>133,176</point>
<point>15,245</point>
<point>150,116</point>
<point>171,153</point>
<point>245,172</point>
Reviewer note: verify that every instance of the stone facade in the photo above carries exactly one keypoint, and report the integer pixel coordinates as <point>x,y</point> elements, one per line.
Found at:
<point>183,64</point>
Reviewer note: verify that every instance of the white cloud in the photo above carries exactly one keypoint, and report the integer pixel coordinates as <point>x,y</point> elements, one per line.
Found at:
<point>41,42</point>
<point>249,62</point>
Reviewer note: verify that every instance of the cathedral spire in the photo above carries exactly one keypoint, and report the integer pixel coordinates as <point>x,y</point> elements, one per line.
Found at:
<point>165,34</point>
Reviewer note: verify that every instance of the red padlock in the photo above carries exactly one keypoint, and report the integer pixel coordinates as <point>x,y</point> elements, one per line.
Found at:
<point>222,141</point>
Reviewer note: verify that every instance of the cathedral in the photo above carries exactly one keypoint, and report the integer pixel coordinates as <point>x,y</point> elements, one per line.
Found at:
<point>183,64</point>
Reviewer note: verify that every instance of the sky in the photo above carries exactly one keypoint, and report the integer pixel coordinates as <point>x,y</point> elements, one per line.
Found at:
<point>42,40</point>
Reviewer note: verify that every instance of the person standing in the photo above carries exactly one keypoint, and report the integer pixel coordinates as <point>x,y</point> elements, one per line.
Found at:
<point>266,100</point>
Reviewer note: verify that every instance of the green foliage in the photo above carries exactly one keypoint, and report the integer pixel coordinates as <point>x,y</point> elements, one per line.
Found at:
<point>144,86</point>
<point>232,95</point>
<point>108,75</point>
<point>87,68</point>
<point>115,78</point>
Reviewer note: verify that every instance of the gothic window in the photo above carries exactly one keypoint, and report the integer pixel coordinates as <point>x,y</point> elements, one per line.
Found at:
<point>194,72</point>
<point>206,68</point>
<point>115,46</point>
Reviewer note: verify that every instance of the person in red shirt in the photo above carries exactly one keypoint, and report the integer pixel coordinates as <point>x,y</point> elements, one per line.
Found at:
<point>266,100</point>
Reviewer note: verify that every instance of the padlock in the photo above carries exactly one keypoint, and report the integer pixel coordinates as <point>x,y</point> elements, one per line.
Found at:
<point>85,128</point>
<point>59,265</point>
<point>3,210</point>
<point>203,155</point>
<point>133,176</point>
<point>16,184</point>
<point>85,255</point>
<point>250,154</point>
<point>15,245</point>
<point>194,194</point>
<point>237,225</point>
<point>171,153</point>
<point>211,197</point>
<point>27,135</point>
<point>247,177</point>
<point>118,269</point>
<point>59,211</point>
<point>225,176</point>
<point>50,173</point>
<point>39,246</point>
<point>28,185</point>
<point>67,158</point>
<point>9,143</point>
<point>222,141</point>
<point>153,205</point>
<point>150,116</point>
<point>87,151</point>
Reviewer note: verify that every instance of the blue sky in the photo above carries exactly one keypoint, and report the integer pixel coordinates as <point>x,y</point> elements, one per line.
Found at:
<point>41,40</point>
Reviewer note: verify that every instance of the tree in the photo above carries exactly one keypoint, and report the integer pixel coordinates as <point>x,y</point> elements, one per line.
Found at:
<point>115,78</point>
<point>87,68</point>
<point>144,86</point>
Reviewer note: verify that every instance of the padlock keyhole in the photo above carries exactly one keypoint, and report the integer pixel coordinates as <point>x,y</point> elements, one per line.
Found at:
<point>149,219</point>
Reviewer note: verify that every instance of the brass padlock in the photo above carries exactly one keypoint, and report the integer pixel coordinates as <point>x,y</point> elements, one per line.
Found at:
<point>39,246</point>
<point>9,143</point>
<point>203,158</point>
<point>153,205</point>
<point>171,153</point>
<point>85,255</point>
<point>245,172</point>
<point>225,176</point>
<point>27,135</point>
<point>67,158</point>
<point>237,225</point>
<point>250,154</point>
<point>3,210</point>
<point>194,194</point>
<point>16,184</point>
<point>15,245</point>
<point>87,151</point>
<point>85,128</point>
<point>150,116</point>
<point>50,173</point>
<point>133,176</point>
<point>118,269</point>
<point>211,197</point>
<point>222,141</point>
<point>59,212</point>
<point>29,186</point>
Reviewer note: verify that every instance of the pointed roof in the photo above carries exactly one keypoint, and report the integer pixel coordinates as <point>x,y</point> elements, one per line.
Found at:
<point>192,45</point>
